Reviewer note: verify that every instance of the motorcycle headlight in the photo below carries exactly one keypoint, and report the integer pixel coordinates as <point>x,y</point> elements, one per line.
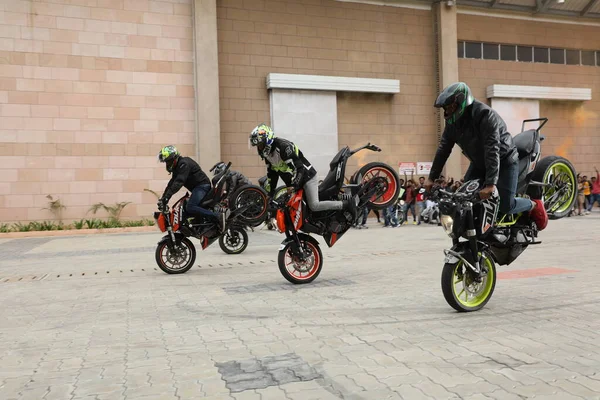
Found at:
<point>447,224</point>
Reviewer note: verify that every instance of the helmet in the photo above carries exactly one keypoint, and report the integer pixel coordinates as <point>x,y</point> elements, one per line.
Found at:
<point>454,99</point>
<point>169,155</point>
<point>262,138</point>
<point>219,167</point>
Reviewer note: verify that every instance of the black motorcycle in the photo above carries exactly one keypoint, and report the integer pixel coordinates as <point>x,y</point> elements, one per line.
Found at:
<point>175,253</point>
<point>469,274</point>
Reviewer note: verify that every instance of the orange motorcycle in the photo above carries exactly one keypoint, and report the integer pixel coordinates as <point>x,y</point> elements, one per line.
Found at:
<point>376,186</point>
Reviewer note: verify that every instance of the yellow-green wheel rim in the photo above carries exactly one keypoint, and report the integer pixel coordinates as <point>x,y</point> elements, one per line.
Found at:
<point>557,169</point>
<point>462,296</point>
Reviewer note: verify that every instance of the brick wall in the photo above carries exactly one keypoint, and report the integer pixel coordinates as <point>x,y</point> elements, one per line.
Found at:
<point>329,38</point>
<point>573,128</point>
<point>89,92</point>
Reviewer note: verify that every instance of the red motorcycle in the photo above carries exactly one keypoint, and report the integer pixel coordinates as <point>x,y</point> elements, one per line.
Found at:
<point>376,185</point>
<point>175,253</point>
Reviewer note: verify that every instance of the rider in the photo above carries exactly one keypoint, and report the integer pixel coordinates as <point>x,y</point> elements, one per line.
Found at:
<point>483,137</point>
<point>186,172</point>
<point>284,157</point>
<point>234,179</point>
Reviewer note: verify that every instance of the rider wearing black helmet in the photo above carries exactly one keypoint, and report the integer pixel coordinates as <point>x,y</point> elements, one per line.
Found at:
<point>234,179</point>
<point>186,172</point>
<point>483,137</point>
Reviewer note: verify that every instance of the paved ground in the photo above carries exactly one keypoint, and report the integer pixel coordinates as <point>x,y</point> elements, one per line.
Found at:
<point>93,318</point>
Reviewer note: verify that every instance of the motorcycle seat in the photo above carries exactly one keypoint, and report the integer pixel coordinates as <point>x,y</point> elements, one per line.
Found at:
<point>525,142</point>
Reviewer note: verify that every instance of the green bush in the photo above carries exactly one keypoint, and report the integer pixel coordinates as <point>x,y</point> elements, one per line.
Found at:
<point>81,224</point>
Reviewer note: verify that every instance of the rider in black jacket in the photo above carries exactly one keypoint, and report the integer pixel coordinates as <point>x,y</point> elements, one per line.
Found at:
<point>284,158</point>
<point>483,137</point>
<point>234,179</point>
<point>186,172</point>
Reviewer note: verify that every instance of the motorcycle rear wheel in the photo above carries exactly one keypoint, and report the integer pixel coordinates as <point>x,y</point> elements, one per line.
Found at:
<point>256,198</point>
<point>169,262</point>
<point>559,197</point>
<point>234,241</point>
<point>476,295</point>
<point>384,173</point>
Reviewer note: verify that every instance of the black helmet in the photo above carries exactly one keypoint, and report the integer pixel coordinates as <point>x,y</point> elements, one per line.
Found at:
<point>454,99</point>
<point>218,168</point>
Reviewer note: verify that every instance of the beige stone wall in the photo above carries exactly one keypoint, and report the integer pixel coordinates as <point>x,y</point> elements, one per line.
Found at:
<point>573,128</point>
<point>89,92</point>
<point>329,38</point>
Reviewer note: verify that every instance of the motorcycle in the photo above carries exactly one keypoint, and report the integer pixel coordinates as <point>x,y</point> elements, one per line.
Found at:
<point>300,259</point>
<point>492,238</point>
<point>175,253</point>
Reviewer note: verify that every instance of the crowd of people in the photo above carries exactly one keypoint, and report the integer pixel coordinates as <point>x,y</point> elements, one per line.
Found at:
<point>588,194</point>
<point>414,198</point>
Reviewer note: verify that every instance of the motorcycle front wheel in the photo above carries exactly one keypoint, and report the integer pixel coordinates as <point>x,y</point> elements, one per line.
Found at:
<point>460,289</point>
<point>234,241</point>
<point>300,271</point>
<point>178,261</point>
<point>254,200</point>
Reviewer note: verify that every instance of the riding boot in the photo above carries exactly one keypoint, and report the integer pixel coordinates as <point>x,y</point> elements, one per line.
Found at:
<point>351,205</point>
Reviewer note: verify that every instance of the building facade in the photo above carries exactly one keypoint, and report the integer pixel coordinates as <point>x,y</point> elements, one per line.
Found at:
<point>91,89</point>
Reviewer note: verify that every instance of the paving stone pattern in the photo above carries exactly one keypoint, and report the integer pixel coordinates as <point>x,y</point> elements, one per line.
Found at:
<point>94,318</point>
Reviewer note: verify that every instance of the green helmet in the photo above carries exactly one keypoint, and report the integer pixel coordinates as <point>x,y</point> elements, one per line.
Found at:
<point>454,99</point>
<point>169,155</point>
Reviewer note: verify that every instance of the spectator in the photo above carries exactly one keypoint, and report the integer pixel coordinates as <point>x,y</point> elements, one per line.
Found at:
<point>409,202</point>
<point>587,192</point>
<point>580,196</point>
<point>595,197</point>
<point>420,198</point>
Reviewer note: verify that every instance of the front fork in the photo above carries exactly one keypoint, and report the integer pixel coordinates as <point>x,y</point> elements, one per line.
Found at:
<point>472,236</point>
<point>292,234</point>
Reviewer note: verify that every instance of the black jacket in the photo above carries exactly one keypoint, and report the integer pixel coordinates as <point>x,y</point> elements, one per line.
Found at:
<point>186,173</point>
<point>236,179</point>
<point>287,160</point>
<point>482,135</point>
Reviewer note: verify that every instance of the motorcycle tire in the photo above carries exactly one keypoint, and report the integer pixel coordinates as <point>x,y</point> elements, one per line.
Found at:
<point>315,268</point>
<point>257,216</point>
<point>545,171</point>
<point>163,247</point>
<point>390,196</point>
<point>223,241</point>
<point>454,299</point>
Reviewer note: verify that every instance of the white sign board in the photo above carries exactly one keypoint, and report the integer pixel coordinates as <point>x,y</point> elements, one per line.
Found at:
<point>407,168</point>
<point>424,168</point>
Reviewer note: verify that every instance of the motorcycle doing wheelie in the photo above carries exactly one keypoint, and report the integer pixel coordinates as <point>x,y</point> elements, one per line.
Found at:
<point>300,259</point>
<point>175,253</point>
<point>469,274</point>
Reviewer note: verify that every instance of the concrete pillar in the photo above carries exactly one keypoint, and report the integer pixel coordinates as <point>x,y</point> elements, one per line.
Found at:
<point>206,83</point>
<point>448,70</point>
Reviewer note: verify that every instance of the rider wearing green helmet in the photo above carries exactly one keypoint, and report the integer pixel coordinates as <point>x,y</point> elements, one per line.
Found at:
<point>484,139</point>
<point>186,172</point>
